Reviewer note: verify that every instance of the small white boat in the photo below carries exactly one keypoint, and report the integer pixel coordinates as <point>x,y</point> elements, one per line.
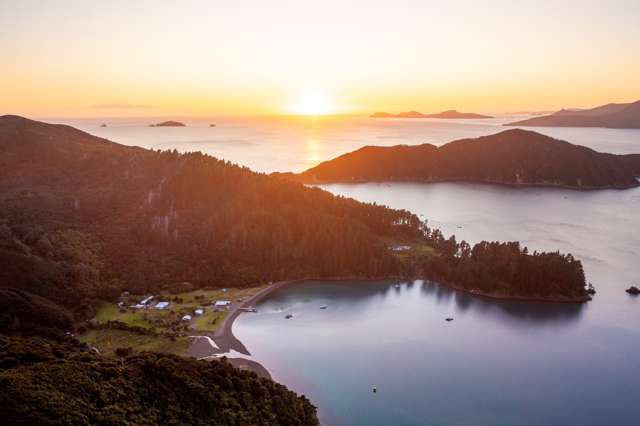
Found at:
<point>323,307</point>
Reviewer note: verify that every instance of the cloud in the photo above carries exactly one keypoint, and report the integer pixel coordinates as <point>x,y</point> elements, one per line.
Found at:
<point>122,106</point>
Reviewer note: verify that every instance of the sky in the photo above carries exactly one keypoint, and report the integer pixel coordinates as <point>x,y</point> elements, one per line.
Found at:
<point>211,58</point>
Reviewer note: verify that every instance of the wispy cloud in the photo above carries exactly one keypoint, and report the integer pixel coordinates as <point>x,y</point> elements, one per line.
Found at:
<point>122,106</point>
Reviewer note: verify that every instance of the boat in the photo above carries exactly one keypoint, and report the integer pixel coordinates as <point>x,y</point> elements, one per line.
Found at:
<point>449,319</point>
<point>323,307</point>
<point>289,316</point>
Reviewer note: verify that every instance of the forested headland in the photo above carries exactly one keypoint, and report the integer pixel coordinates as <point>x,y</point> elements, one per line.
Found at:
<point>512,157</point>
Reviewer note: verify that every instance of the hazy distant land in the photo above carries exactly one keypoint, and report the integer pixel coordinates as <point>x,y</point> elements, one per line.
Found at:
<point>618,116</point>
<point>450,114</point>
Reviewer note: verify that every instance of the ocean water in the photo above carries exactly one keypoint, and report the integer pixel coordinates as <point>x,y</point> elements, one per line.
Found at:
<point>271,144</point>
<point>497,362</point>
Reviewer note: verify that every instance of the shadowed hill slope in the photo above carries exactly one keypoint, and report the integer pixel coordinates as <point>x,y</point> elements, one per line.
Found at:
<point>515,157</point>
<point>43,382</point>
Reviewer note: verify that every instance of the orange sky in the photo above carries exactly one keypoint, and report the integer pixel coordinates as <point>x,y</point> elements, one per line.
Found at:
<point>119,58</point>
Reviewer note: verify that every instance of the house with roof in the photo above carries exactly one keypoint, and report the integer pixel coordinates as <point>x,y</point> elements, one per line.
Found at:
<point>162,305</point>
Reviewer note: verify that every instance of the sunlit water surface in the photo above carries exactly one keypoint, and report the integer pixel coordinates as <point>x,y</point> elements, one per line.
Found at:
<point>496,362</point>
<point>269,144</point>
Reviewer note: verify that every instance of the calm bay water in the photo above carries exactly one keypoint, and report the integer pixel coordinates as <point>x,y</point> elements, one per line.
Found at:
<point>497,362</point>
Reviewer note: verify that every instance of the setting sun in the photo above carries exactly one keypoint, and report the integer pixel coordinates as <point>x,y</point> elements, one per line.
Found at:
<point>312,102</point>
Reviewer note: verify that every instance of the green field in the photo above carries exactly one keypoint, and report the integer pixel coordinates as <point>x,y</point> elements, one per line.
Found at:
<point>107,341</point>
<point>417,250</point>
<point>162,321</point>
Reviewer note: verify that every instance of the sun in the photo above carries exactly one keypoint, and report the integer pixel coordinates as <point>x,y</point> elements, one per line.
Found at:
<point>312,102</point>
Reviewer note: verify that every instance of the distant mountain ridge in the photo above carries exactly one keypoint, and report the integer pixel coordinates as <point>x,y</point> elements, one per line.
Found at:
<point>449,114</point>
<point>617,116</point>
<point>512,157</point>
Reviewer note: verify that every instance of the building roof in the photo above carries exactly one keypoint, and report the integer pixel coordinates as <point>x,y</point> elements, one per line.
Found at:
<point>222,302</point>
<point>146,300</point>
<point>186,318</point>
<point>162,305</point>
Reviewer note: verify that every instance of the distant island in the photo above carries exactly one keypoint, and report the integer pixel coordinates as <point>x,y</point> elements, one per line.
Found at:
<point>615,116</point>
<point>212,125</point>
<point>168,124</point>
<point>450,114</point>
<point>512,157</point>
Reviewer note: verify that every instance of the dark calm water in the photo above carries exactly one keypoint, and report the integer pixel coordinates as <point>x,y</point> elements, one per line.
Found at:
<point>497,362</point>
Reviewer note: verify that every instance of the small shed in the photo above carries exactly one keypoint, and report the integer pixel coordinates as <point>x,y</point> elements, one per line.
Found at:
<point>186,318</point>
<point>162,305</point>
<point>146,300</point>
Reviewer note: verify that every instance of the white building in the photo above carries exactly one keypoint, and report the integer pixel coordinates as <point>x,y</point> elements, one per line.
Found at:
<point>186,318</point>
<point>199,311</point>
<point>222,303</point>
<point>146,300</point>
<point>162,305</point>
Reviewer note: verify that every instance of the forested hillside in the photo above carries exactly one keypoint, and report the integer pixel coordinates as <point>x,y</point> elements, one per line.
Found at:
<point>43,382</point>
<point>84,218</point>
<point>512,157</point>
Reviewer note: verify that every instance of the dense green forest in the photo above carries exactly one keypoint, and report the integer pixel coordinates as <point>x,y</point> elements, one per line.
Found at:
<point>84,218</point>
<point>43,382</point>
<point>512,157</point>
<point>504,269</point>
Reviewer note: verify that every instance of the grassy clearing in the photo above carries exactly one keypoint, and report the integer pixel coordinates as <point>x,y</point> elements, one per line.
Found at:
<point>162,321</point>
<point>209,321</point>
<point>107,341</point>
<point>416,250</point>
<point>110,312</point>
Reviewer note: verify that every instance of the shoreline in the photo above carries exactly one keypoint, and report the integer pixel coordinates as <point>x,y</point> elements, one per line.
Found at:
<point>471,181</point>
<point>512,298</point>
<point>225,341</point>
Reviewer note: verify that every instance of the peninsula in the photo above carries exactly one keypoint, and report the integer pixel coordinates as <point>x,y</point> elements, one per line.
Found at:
<point>617,116</point>
<point>512,157</point>
<point>450,114</point>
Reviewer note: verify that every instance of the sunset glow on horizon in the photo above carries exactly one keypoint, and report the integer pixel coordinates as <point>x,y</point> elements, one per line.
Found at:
<point>201,58</point>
